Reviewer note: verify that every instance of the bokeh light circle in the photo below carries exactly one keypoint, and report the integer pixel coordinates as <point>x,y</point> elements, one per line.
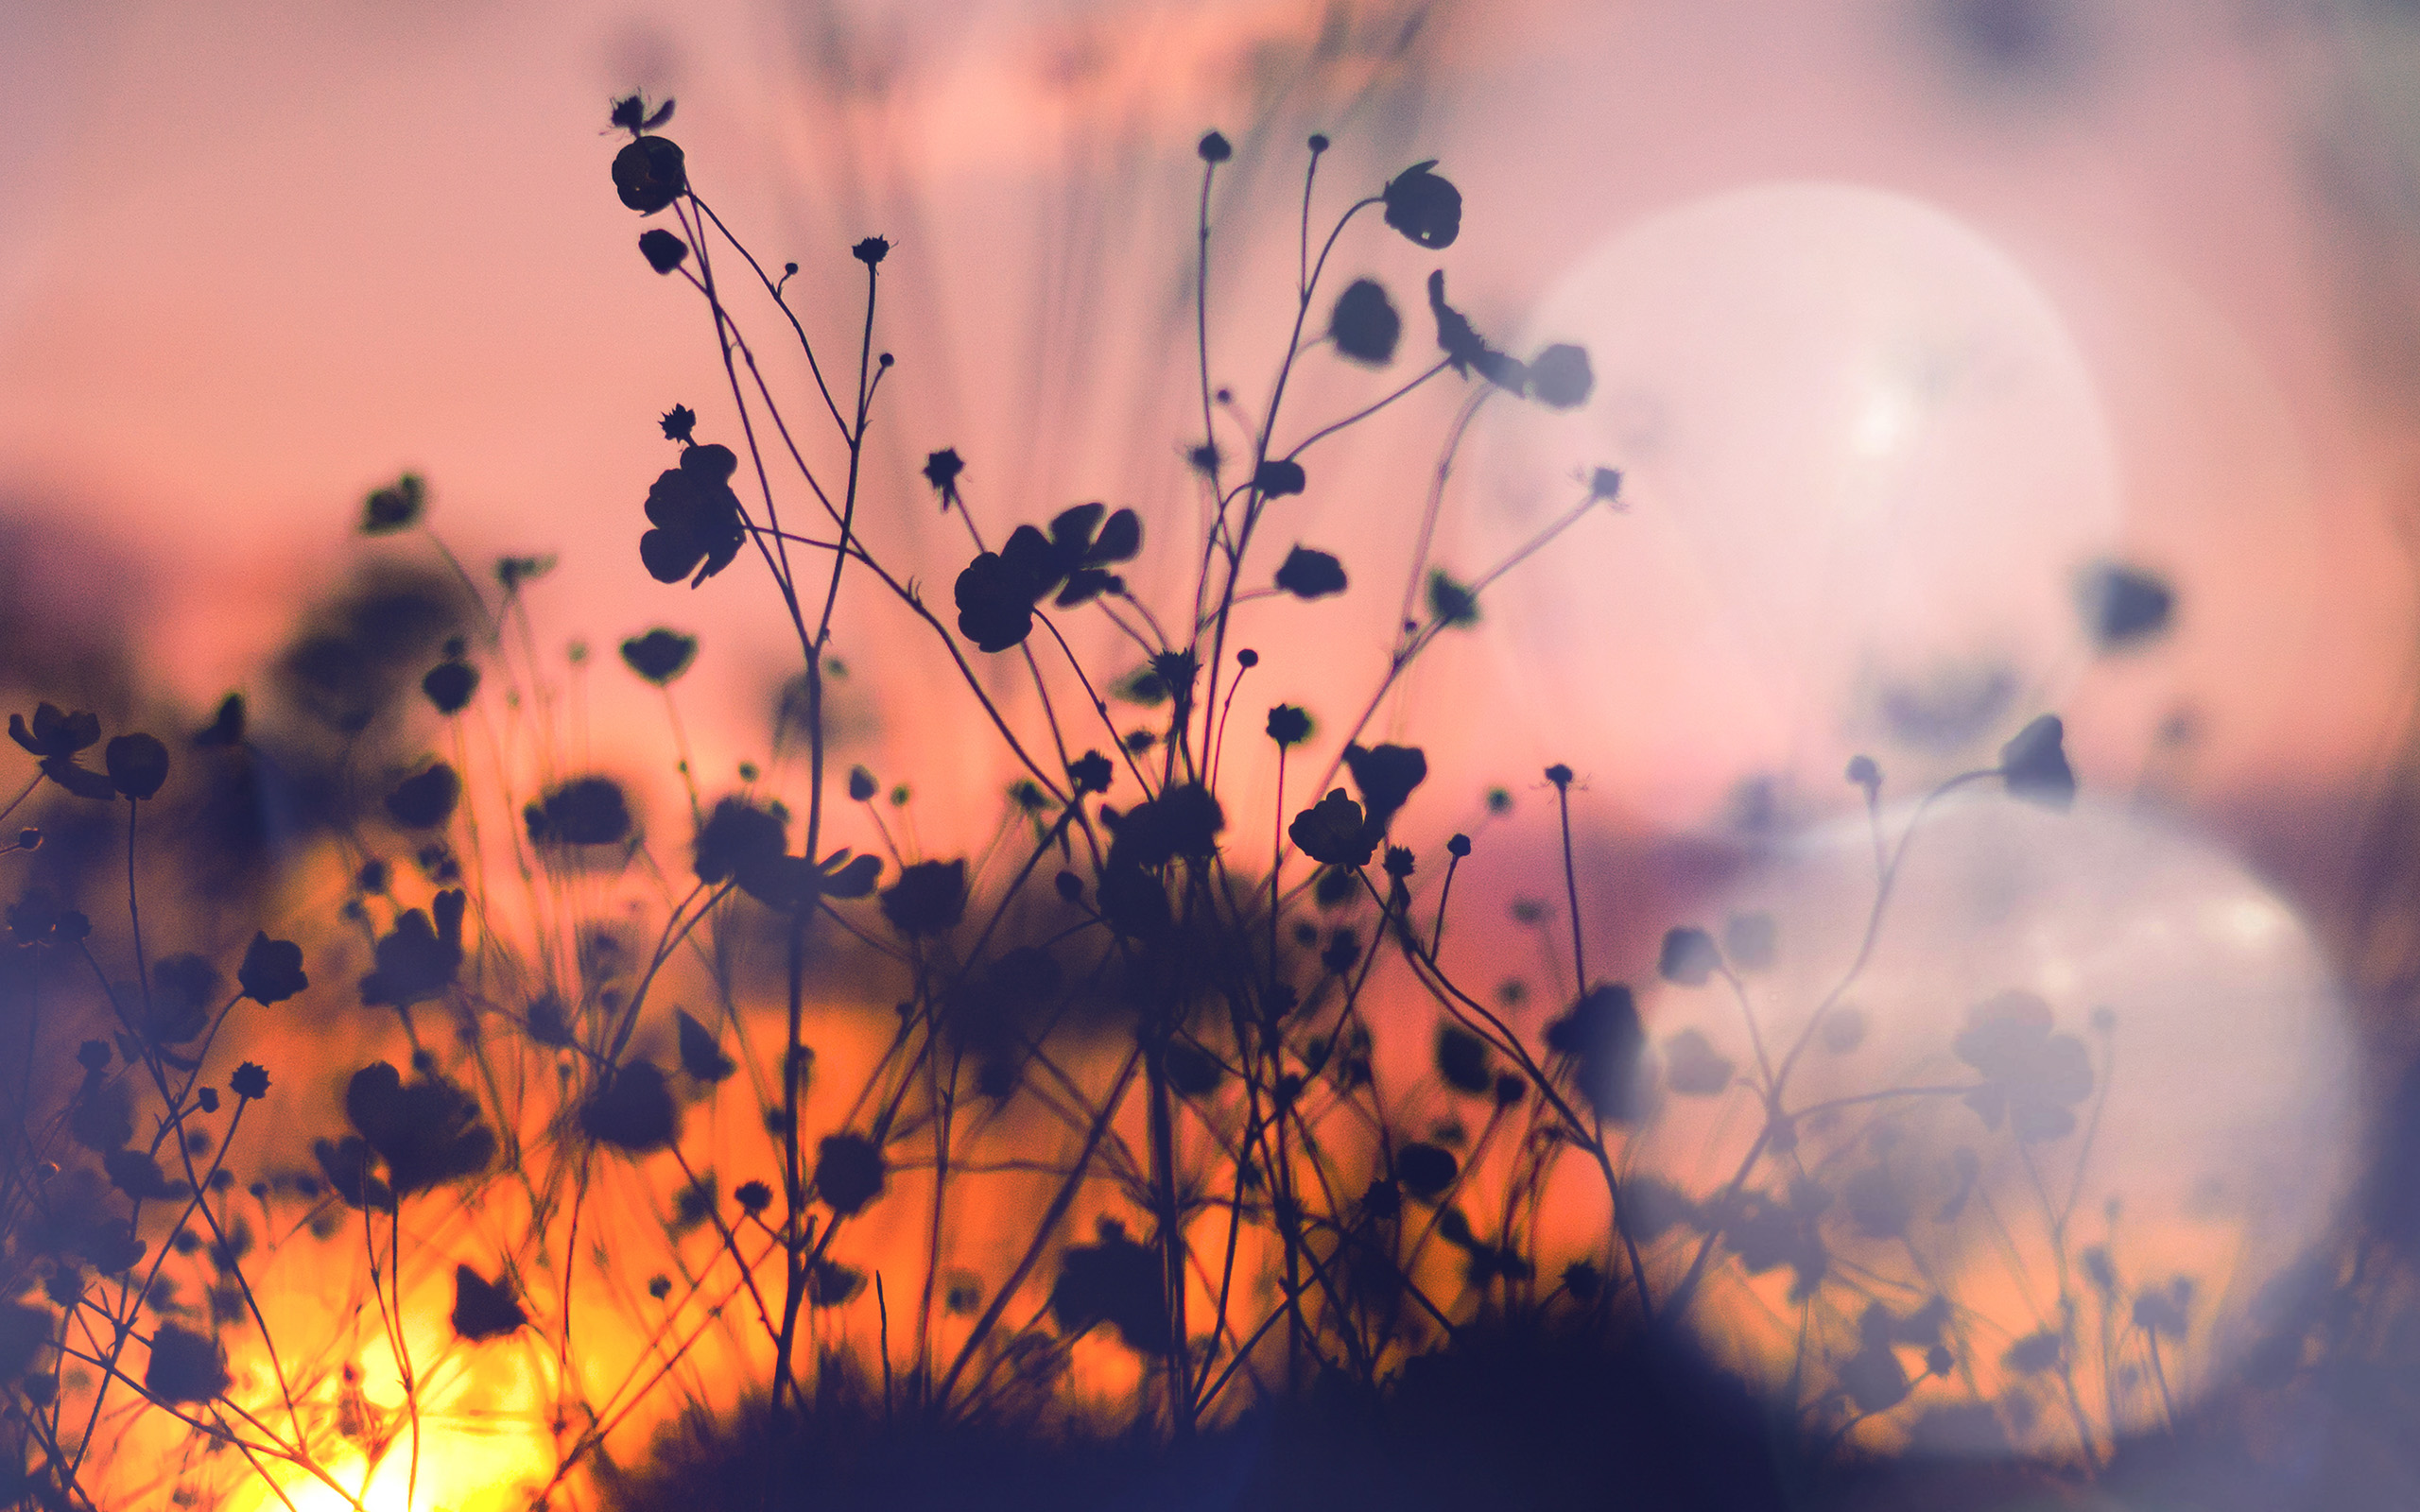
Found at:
<point>1864,460</point>
<point>2093,1086</point>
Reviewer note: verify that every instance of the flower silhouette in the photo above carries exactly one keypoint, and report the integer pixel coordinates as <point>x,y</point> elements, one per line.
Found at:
<point>1424,206</point>
<point>696,516</point>
<point>56,738</point>
<point>998,592</point>
<point>2031,1076</point>
<point>2034,765</point>
<point>649,174</point>
<point>660,656</point>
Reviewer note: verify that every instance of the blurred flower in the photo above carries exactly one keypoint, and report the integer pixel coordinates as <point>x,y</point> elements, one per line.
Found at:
<point>1363,323</point>
<point>660,656</point>
<point>2034,1076</point>
<point>2034,765</point>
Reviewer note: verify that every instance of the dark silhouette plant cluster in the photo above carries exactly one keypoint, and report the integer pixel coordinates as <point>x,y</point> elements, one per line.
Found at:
<point>1144,1026</point>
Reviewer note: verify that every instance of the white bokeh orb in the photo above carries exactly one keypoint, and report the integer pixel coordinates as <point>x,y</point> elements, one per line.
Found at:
<point>2092,1089</point>
<point>1864,460</point>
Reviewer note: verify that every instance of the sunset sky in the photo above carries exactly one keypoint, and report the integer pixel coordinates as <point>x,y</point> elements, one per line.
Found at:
<point>259,258</point>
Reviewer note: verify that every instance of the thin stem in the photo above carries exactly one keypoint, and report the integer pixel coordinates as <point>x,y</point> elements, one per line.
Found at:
<point>1572,881</point>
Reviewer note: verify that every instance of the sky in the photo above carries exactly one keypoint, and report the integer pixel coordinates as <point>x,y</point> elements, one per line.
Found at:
<point>259,262</point>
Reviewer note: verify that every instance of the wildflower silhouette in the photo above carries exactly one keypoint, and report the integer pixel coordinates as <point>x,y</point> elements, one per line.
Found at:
<point>583,811</point>
<point>1364,324</point>
<point>2032,1077</point>
<point>426,1131</point>
<point>425,799</point>
<point>1424,206</point>
<point>696,516</point>
<point>56,738</point>
<point>660,656</point>
<point>450,685</point>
